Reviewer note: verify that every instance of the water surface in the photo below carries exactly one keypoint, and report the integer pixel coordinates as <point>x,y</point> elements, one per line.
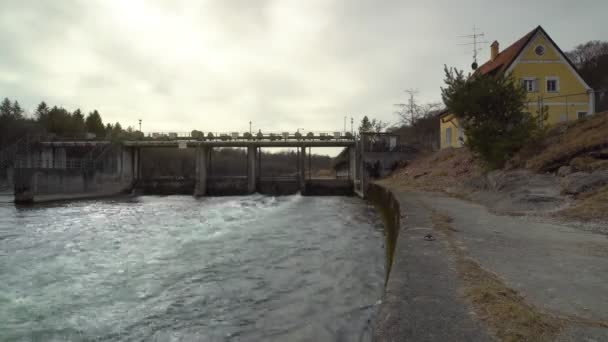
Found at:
<point>175,268</point>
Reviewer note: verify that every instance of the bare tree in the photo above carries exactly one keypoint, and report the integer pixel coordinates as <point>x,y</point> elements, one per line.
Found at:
<point>378,125</point>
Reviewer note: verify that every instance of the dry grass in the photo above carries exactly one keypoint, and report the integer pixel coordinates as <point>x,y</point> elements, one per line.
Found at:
<point>505,311</point>
<point>437,171</point>
<point>565,142</point>
<point>589,207</point>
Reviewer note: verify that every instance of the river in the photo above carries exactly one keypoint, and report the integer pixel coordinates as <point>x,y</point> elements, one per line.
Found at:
<point>252,268</point>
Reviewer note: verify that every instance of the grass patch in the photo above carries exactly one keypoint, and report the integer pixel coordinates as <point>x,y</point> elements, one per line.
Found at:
<point>506,313</point>
<point>566,141</point>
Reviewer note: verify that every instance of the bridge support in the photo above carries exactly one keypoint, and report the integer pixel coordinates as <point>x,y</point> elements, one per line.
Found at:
<point>251,169</point>
<point>352,164</point>
<point>202,159</point>
<point>302,169</point>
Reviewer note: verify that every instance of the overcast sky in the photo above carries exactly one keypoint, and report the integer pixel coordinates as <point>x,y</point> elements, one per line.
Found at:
<point>283,64</point>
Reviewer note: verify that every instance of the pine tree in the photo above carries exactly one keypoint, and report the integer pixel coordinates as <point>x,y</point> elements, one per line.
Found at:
<point>366,125</point>
<point>6,109</point>
<point>94,124</point>
<point>17,111</point>
<point>78,125</point>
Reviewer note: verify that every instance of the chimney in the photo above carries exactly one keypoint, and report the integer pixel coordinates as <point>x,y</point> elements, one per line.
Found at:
<point>494,50</point>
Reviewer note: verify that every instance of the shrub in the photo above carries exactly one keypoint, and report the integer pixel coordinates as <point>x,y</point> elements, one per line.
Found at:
<point>493,111</point>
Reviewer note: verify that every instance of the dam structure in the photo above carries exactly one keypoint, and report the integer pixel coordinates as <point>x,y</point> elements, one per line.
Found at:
<point>44,168</point>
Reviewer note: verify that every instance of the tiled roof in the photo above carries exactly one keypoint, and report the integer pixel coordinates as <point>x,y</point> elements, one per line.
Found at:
<point>507,56</point>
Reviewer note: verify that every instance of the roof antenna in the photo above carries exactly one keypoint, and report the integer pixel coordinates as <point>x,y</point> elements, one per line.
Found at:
<point>475,37</point>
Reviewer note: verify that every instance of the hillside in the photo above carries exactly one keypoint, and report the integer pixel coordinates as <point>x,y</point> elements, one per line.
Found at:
<point>565,175</point>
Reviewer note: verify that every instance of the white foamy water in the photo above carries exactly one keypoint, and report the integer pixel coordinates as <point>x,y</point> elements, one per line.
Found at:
<point>252,268</point>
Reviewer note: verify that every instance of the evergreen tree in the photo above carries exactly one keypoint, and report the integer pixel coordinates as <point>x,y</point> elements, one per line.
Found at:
<point>6,109</point>
<point>17,111</point>
<point>94,124</point>
<point>108,131</point>
<point>366,125</point>
<point>78,125</point>
<point>42,113</point>
<point>493,112</point>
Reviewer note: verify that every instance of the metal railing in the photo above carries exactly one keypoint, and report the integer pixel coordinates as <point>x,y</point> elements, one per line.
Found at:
<point>255,136</point>
<point>70,163</point>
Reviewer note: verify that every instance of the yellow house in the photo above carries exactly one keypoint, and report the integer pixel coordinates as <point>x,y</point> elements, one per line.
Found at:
<point>547,74</point>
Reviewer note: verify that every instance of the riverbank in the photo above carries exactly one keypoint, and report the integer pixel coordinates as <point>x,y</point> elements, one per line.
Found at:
<point>486,276</point>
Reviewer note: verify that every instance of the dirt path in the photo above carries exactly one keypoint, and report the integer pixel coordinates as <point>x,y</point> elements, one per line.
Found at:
<point>559,270</point>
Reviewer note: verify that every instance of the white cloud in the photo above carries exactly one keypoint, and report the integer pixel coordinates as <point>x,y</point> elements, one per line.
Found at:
<point>283,64</point>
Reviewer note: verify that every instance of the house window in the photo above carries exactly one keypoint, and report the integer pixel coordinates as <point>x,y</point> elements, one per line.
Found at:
<point>448,136</point>
<point>539,50</point>
<point>529,84</point>
<point>552,85</point>
<point>581,115</point>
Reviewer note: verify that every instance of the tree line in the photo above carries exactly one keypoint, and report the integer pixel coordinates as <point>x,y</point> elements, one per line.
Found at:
<point>56,121</point>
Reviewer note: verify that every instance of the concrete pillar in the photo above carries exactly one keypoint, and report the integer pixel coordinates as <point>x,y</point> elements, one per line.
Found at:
<point>136,163</point>
<point>126,164</point>
<point>251,169</point>
<point>59,158</point>
<point>302,168</point>
<point>46,158</point>
<point>352,158</point>
<point>202,157</point>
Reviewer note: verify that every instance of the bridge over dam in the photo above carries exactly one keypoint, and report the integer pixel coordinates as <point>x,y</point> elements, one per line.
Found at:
<point>53,169</point>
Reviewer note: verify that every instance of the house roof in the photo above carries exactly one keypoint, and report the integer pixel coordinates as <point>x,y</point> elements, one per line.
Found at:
<point>506,57</point>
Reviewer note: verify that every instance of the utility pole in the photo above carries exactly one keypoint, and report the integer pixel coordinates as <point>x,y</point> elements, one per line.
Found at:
<point>249,127</point>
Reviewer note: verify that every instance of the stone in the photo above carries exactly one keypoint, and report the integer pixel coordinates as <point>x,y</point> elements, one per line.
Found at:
<point>564,171</point>
<point>579,182</point>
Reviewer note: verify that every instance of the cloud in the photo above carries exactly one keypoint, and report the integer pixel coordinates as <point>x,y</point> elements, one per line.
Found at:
<point>282,64</point>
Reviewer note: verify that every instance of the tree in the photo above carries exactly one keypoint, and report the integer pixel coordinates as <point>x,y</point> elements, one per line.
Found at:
<point>17,111</point>
<point>366,125</point>
<point>591,60</point>
<point>6,109</point>
<point>93,124</point>
<point>493,113</point>
<point>59,121</point>
<point>78,126</point>
<point>42,113</point>
<point>377,126</point>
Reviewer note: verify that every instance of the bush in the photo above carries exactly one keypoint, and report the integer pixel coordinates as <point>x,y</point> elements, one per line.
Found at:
<point>494,114</point>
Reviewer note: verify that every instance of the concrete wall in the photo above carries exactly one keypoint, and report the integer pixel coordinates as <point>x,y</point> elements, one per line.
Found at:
<point>390,211</point>
<point>159,186</point>
<point>229,186</point>
<point>278,187</point>
<point>54,184</point>
<point>328,187</point>
<point>48,184</point>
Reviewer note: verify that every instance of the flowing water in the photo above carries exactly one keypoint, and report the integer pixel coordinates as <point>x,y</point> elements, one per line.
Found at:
<point>176,268</point>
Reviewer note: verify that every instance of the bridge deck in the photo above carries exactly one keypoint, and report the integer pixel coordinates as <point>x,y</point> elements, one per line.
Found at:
<point>215,143</point>
<point>243,143</point>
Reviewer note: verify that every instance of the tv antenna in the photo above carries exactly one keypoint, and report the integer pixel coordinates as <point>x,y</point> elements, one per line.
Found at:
<point>475,37</point>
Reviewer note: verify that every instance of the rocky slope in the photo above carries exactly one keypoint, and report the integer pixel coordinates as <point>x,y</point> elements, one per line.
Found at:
<point>563,176</point>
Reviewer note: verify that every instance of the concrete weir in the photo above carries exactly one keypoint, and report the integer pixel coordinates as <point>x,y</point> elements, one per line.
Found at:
<point>49,173</point>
